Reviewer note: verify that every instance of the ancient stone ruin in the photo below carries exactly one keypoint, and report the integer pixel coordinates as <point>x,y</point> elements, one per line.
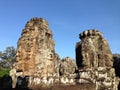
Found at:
<point>67,67</point>
<point>95,61</point>
<point>93,50</point>
<point>39,64</point>
<point>35,54</point>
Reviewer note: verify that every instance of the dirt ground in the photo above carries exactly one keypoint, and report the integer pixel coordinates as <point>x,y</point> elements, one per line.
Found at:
<point>70,87</point>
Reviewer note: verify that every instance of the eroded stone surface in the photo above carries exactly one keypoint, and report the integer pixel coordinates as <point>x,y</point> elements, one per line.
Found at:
<point>67,66</point>
<point>93,50</point>
<point>95,61</point>
<point>35,53</point>
<point>37,59</point>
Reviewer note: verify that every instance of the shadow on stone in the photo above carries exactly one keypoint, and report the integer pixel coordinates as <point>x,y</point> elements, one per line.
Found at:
<point>6,82</point>
<point>22,82</point>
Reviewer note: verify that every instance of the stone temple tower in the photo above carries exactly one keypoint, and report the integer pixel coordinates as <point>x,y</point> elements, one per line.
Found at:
<point>93,50</point>
<point>95,61</point>
<point>35,52</point>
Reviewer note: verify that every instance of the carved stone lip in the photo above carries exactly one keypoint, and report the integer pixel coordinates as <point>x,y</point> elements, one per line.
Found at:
<point>19,70</point>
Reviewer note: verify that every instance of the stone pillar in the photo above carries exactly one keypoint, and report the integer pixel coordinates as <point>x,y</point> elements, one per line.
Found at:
<point>93,55</point>
<point>35,52</point>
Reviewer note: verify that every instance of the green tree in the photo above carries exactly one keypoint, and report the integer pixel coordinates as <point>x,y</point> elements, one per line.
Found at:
<point>116,64</point>
<point>7,58</point>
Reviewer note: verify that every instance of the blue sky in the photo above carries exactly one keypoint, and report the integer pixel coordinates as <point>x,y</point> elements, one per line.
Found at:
<point>67,18</point>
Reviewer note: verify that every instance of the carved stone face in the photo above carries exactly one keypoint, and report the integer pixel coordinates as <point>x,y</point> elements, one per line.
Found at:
<point>36,48</point>
<point>93,50</point>
<point>18,55</point>
<point>84,62</point>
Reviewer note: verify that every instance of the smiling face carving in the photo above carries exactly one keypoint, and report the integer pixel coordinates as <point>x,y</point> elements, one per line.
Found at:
<point>93,50</point>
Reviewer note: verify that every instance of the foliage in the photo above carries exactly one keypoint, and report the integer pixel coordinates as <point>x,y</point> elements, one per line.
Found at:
<point>7,57</point>
<point>116,64</point>
<point>4,72</point>
<point>116,55</point>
